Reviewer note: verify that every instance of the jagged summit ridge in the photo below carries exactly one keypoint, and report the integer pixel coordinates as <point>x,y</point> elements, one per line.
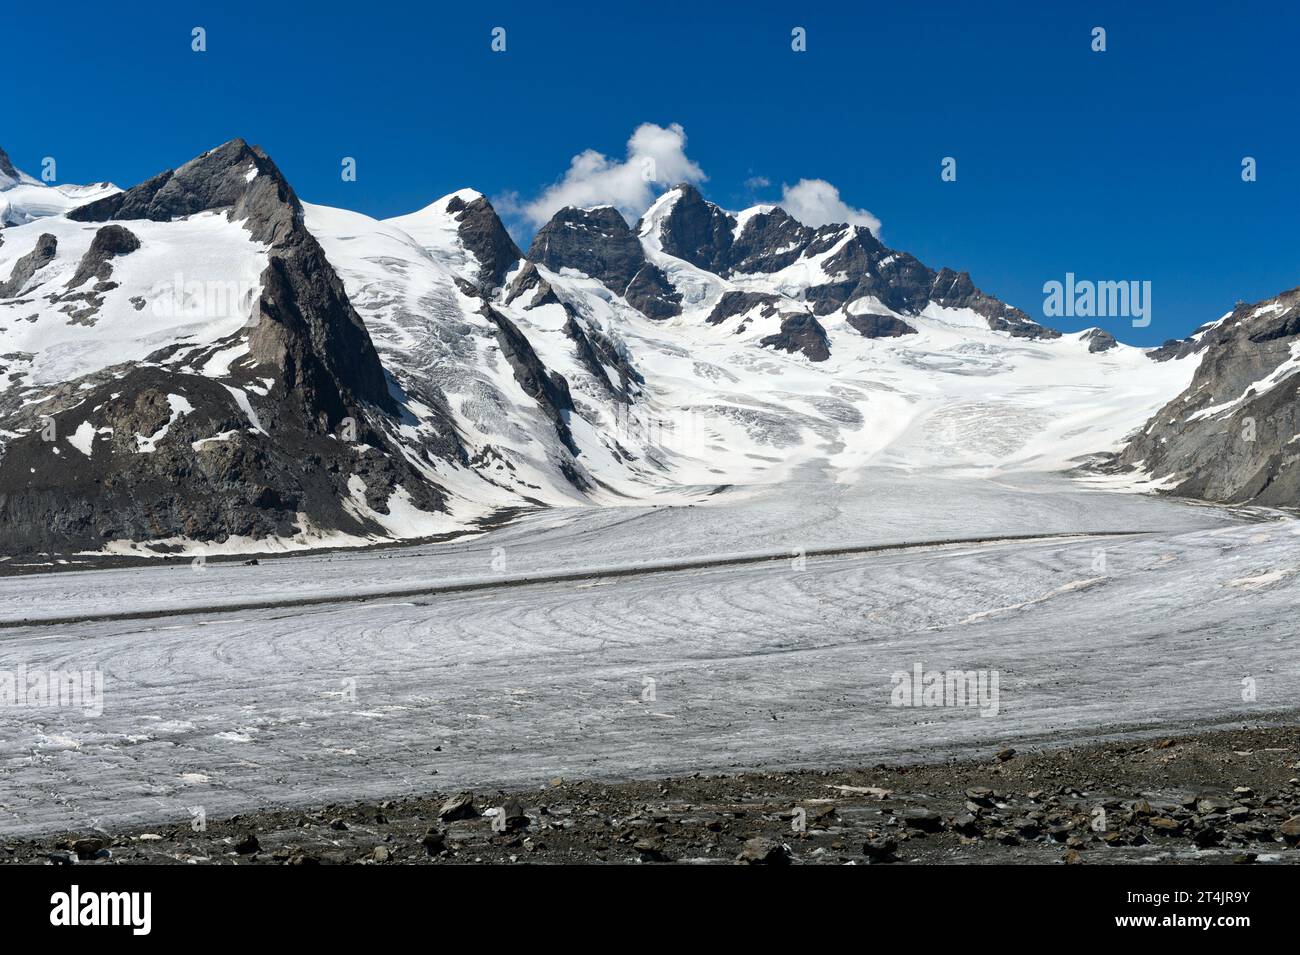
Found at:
<point>849,263</point>
<point>410,377</point>
<point>266,416</point>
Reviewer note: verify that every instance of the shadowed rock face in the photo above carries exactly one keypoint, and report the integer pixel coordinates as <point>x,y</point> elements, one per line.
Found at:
<point>598,243</point>
<point>6,167</point>
<point>732,304</point>
<point>530,280</point>
<point>1099,341</point>
<point>592,349</point>
<point>482,233</point>
<point>856,264</point>
<point>698,231</point>
<point>549,389</point>
<point>956,290</point>
<point>304,326</point>
<point>280,469</point>
<point>1231,436</point>
<point>801,333</point>
<point>31,263</point>
<point>769,242</point>
<point>247,485</point>
<point>109,242</point>
<point>880,326</point>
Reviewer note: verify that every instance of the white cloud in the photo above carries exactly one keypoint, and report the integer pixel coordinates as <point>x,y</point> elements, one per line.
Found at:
<point>656,158</point>
<point>815,202</point>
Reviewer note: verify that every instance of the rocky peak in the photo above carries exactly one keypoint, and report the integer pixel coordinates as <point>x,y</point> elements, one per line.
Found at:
<point>7,170</point>
<point>697,231</point>
<point>769,242</point>
<point>482,233</point>
<point>599,243</point>
<point>1099,340</point>
<point>956,290</point>
<point>303,325</point>
<point>1229,436</point>
<point>235,176</point>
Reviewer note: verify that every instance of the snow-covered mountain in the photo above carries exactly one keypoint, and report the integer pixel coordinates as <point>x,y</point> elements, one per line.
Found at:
<point>1234,434</point>
<point>205,363</point>
<point>24,198</point>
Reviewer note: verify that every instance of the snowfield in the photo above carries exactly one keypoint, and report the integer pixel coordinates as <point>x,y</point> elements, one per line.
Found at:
<point>716,407</point>
<point>193,281</point>
<point>776,663</point>
<point>717,555</point>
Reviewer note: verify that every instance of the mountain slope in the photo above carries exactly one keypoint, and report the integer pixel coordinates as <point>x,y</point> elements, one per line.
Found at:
<point>205,363</point>
<point>1234,434</point>
<point>828,268</point>
<point>212,384</point>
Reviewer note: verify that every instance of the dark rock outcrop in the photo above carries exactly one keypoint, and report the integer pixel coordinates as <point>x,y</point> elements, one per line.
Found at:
<point>482,233</point>
<point>31,263</point>
<point>956,290</point>
<point>1099,340</point>
<point>1231,436</point>
<point>800,333</point>
<point>7,168</point>
<point>697,231</point>
<point>161,452</point>
<point>109,242</point>
<point>549,389</point>
<point>738,303</point>
<point>769,242</point>
<point>855,262</point>
<point>530,280</point>
<point>236,482</point>
<point>880,326</point>
<point>303,326</point>
<point>1176,348</point>
<point>598,243</point>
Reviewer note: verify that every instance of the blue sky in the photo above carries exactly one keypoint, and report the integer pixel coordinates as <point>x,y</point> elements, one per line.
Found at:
<point>1113,166</point>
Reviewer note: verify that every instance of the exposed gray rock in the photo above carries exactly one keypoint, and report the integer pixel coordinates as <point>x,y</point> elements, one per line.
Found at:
<point>856,264</point>
<point>590,358</point>
<point>304,325</point>
<point>880,326</point>
<point>482,233</point>
<point>801,332</point>
<point>260,480</point>
<point>955,290</point>
<point>697,231</point>
<point>31,263</point>
<point>459,806</point>
<point>530,280</point>
<point>1230,437</point>
<point>1099,340</point>
<point>598,243</point>
<point>109,242</point>
<point>549,389</point>
<point>6,167</point>
<point>738,303</point>
<point>763,851</point>
<point>769,242</point>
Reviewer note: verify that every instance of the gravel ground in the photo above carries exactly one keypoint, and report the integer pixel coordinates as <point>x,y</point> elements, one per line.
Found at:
<point>1212,797</point>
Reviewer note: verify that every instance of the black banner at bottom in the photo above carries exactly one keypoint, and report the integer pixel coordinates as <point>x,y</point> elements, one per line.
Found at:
<point>320,903</point>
